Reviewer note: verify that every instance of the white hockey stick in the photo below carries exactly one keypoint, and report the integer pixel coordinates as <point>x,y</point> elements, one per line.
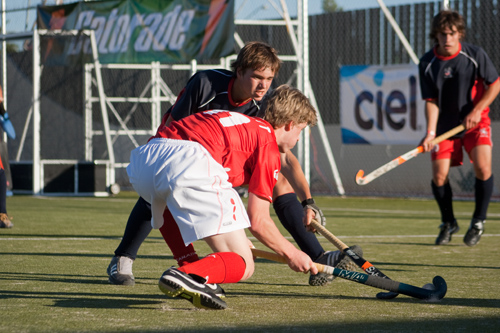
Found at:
<point>360,180</point>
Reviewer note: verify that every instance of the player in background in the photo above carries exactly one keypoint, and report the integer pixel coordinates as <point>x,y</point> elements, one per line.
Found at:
<point>6,125</point>
<point>240,90</point>
<point>5,221</point>
<point>189,169</point>
<point>458,82</point>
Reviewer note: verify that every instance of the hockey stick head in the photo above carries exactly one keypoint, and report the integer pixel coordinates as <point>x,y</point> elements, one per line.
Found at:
<point>439,289</point>
<point>359,177</point>
<point>434,291</point>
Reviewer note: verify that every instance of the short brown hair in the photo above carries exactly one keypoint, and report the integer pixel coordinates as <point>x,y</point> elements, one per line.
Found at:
<point>285,104</point>
<point>447,19</point>
<point>257,55</point>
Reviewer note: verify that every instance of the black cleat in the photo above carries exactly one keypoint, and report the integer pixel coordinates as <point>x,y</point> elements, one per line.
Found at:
<point>474,233</point>
<point>335,259</point>
<point>447,229</point>
<point>175,283</point>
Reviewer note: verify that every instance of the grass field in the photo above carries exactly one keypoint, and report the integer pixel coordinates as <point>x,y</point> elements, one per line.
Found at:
<point>53,274</point>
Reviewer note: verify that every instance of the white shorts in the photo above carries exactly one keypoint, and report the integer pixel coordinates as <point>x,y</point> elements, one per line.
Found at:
<point>184,176</point>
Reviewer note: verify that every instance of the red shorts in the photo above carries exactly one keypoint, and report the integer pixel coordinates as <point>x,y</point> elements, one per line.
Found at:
<point>452,149</point>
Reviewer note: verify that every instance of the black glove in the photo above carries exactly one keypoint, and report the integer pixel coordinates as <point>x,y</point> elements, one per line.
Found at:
<point>310,204</point>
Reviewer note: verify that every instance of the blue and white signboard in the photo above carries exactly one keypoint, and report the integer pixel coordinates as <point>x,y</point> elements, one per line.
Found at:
<point>381,105</point>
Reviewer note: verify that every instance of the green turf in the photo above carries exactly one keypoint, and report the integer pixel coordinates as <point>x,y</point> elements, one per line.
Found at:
<point>53,274</point>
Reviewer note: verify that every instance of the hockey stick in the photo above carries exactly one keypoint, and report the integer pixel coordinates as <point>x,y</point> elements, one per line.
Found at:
<point>360,261</point>
<point>436,292</point>
<point>360,180</point>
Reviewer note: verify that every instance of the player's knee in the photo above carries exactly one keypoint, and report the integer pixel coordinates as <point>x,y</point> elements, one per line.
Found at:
<point>483,172</point>
<point>249,269</point>
<point>440,179</point>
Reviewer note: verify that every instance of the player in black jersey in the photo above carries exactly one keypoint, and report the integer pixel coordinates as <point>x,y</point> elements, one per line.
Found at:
<point>240,90</point>
<point>459,82</point>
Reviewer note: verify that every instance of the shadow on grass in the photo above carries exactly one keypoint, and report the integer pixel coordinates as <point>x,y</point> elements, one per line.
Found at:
<point>89,300</point>
<point>65,278</point>
<point>121,301</point>
<point>483,324</point>
<point>80,255</point>
<point>79,236</point>
<point>425,244</point>
<point>379,264</point>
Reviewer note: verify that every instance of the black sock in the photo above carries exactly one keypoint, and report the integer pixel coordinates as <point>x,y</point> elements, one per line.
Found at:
<point>483,192</point>
<point>137,230</point>
<point>3,192</point>
<point>444,197</point>
<point>290,212</point>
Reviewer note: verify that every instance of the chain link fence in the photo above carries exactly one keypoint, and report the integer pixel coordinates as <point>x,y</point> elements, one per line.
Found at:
<point>359,37</point>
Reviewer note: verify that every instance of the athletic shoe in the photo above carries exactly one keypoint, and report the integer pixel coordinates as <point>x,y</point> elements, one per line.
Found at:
<point>120,271</point>
<point>447,229</point>
<point>194,288</point>
<point>5,221</point>
<point>474,233</point>
<point>335,259</point>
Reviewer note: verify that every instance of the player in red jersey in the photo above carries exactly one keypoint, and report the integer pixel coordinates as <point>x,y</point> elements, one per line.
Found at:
<point>458,82</point>
<point>191,166</point>
<point>240,90</point>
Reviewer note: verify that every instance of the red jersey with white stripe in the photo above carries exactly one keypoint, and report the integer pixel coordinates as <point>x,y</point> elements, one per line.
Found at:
<point>245,146</point>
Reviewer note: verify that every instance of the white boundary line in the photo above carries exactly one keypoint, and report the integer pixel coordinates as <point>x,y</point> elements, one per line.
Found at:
<point>251,237</point>
<point>382,211</point>
<point>385,211</point>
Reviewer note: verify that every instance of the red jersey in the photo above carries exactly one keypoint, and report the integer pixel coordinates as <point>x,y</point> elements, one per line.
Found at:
<point>245,146</point>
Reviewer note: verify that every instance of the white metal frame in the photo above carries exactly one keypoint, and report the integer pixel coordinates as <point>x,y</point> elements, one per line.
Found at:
<point>298,32</point>
<point>38,162</point>
<point>160,92</point>
<point>300,41</point>
<point>299,37</point>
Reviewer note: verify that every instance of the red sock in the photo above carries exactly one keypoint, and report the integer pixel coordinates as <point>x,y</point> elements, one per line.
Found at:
<point>220,267</point>
<point>172,236</point>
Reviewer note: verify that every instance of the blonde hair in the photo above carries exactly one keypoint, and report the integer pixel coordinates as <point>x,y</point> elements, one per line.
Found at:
<point>285,104</point>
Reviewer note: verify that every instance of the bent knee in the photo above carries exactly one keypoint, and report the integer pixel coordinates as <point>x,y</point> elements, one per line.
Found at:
<point>249,269</point>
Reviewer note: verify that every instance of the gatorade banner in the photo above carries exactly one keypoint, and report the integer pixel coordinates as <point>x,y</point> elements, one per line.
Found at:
<point>381,105</point>
<point>142,31</point>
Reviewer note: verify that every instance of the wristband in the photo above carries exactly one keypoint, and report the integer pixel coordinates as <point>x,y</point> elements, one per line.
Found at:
<point>306,202</point>
<point>431,133</point>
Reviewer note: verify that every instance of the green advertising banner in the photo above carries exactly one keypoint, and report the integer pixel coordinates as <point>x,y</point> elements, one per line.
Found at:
<point>142,31</point>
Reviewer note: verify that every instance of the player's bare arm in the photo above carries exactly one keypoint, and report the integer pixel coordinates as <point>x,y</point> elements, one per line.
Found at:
<point>431,114</point>
<point>474,117</point>
<point>291,169</point>
<point>264,229</point>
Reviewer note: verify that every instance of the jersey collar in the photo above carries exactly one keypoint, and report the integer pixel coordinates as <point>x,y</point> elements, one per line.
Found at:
<point>444,58</point>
